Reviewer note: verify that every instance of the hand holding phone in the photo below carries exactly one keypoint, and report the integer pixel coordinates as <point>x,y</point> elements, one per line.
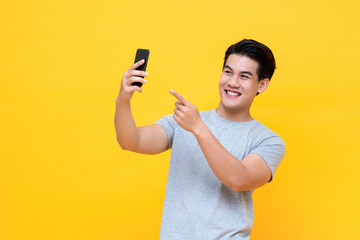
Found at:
<point>141,54</point>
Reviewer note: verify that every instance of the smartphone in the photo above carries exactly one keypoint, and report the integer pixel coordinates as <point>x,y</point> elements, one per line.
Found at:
<point>141,54</point>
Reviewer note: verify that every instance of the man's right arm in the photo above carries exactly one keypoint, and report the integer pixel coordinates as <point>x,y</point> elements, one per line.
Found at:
<point>149,139</point>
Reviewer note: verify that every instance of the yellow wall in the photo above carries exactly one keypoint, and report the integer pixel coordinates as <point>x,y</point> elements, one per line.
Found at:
<point>62,174</point>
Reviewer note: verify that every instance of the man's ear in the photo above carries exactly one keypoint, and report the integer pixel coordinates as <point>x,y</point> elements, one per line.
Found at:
<point>263,84</point>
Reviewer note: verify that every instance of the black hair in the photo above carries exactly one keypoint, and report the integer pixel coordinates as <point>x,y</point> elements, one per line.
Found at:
<point>257,52</point>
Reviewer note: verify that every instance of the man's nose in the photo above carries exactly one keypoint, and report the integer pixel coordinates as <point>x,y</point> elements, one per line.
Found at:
<point>234,82</point>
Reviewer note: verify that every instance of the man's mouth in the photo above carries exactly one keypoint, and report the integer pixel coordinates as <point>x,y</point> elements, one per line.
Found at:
<point>232,93</point>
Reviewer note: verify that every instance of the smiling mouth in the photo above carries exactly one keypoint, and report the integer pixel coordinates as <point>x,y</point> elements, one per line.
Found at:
<point>232,93</point>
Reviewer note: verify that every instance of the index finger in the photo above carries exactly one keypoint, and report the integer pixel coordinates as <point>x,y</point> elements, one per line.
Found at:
<point>137,64</point>
<point>178,96</point>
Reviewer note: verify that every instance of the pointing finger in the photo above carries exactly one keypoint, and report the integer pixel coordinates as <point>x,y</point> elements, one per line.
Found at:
<point>178,96</point>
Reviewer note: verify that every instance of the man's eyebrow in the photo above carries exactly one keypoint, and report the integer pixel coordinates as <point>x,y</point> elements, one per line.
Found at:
<point>246,72</point>
<point>227,66</point>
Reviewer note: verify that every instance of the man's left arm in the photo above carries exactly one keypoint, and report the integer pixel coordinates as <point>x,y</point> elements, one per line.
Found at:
<point>250,173</point>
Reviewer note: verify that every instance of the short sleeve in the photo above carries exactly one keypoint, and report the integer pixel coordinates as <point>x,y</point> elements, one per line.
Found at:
<point>169,124</point>
<point>272,150</point>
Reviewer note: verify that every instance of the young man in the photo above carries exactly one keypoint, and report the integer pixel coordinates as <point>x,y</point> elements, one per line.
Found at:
<point>218,157</point>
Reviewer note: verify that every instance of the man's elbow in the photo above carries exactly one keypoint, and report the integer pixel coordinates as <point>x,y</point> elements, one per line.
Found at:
<point>237,187</point>
<point>124,145</point>
<point>235,184</point>
<point>242,184</point>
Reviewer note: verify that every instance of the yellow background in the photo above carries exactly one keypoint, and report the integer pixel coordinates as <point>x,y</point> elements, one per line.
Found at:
<point>62,174</point>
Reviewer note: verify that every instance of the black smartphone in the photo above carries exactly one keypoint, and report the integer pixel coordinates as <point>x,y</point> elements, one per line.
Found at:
<point>141,54</point>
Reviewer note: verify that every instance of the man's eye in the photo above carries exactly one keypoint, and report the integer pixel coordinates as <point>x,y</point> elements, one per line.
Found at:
<point>228,72</point>
<point>244,76</point>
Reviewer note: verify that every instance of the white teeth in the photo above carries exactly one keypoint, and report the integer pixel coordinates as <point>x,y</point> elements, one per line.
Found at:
<point>233,93</point>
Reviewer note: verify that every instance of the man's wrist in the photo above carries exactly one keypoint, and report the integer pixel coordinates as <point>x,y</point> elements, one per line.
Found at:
<point>201,130</point>
<point>120,101</point>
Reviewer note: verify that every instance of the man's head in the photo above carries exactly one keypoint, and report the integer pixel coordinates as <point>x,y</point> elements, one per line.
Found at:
<point>247,70</point>
<point>257,52</point>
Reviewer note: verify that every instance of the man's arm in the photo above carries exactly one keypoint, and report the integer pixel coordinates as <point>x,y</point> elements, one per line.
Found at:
<point>147,139</point>
<point>250,173</point>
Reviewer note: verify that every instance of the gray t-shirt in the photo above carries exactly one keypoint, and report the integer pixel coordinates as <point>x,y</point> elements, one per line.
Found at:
<point>197,205</point>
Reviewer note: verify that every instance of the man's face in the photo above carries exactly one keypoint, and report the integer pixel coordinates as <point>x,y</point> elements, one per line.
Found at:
<point>238,84</point>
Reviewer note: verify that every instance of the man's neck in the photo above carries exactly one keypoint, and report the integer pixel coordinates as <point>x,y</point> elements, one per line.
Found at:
<point>234,115</point>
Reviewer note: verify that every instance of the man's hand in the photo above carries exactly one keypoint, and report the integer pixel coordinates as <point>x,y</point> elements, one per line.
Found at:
<point>186,114</point>
<point>132,75</point>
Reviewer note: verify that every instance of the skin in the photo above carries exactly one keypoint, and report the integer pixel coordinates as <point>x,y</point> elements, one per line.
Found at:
<point>239,76</point>
<point>238,87</point>
<point>146,139</point>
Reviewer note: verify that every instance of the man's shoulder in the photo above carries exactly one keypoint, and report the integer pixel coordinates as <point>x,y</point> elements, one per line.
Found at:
<point>259,126</point>
<point>262,132</point>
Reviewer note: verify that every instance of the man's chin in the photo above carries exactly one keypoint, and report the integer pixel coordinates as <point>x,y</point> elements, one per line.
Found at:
<point>230,107</point>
